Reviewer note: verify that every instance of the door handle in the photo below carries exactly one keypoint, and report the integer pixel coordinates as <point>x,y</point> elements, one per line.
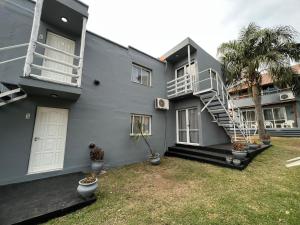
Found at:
<point>36,138</point>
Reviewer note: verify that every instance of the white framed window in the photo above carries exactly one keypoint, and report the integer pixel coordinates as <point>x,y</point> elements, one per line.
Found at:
<point>145,122</point>
<point>141,75</point>
<point>181,71</point>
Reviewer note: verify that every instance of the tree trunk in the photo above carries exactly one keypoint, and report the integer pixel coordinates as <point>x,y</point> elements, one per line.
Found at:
<point>258,110</point>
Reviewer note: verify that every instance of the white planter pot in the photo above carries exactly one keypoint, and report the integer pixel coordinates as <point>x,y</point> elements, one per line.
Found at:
<point>97,166</point>
<point>87,190</point>
<point>239,154</point>
<point>236,162</point>
<point>155,160</point>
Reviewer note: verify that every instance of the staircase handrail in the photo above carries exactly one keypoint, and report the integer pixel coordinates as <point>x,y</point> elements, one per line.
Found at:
<point>226,99</point>
<point>229,100</point>
<point>10,48</point>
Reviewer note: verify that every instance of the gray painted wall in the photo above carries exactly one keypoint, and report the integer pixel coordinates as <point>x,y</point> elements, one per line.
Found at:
<point>102,113</point>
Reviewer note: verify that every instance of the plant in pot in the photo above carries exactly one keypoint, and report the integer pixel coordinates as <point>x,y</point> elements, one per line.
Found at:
<point>154,157</point>
<point>96,155</point>
<point>254,145</point>
<point>236,162</point>
<point>87,186</point>
<point>266,139</point>
<point>229,159</point>
<point>239,151</point>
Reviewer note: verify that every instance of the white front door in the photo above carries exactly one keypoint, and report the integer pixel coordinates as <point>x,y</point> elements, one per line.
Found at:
<point>49,139</point>
<point>63,44</point>
<point>187,126</point>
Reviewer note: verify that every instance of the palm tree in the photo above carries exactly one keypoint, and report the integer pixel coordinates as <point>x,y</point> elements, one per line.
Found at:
<point>256,51</point>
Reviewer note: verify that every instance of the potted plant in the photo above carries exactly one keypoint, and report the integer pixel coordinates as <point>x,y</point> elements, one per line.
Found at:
<point>254,145</point>
<point>239,151</point>
<point>266,139</point>
<point>229,159</point>
<point>96,155</point>
<point>154,157</point>
<point>236,162</point>
<point>87,186</point>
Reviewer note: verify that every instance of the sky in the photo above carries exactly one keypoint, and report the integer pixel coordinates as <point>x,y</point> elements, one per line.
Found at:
<point>156,26</point>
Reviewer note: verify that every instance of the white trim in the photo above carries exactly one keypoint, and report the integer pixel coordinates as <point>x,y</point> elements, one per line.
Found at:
<point>187,129</point>
<point>58,165</point>
<point>39,77</point>
<point>132,117</point>
<point>10,92</point>
<point>142,68</point>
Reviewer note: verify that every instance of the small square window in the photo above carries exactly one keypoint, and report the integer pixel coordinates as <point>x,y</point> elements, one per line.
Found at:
<point>140,124</point>
<point>141,75</point>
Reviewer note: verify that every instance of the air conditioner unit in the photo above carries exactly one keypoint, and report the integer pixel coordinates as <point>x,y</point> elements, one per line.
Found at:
<point>161,103</point>
<point>286,96</point>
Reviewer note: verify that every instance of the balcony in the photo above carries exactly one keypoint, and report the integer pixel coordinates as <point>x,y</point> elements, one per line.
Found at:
<point>180,86</point>
<point>53,67</point>
<point>267,97</point>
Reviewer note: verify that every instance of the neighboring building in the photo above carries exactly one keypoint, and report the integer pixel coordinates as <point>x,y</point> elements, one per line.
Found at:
<point>281,108</point>
<point>75,87</point>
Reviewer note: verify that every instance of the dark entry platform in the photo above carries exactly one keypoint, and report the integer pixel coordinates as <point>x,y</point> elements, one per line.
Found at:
<point>214,154</point>
<point>40,200</point>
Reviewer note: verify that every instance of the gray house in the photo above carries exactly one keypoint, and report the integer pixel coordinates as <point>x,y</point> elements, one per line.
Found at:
<point>281,108</point>
<point>63,87</point>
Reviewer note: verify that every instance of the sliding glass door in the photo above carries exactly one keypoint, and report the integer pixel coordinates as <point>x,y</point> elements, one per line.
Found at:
<point>187,126</point>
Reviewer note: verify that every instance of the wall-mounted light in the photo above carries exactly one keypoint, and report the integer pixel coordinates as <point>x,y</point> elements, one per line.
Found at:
<point>54,95</point>
<point>64,19</point>
<point>96,82</point>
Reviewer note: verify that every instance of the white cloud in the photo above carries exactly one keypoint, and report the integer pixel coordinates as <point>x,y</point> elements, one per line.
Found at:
<point>156,26</point>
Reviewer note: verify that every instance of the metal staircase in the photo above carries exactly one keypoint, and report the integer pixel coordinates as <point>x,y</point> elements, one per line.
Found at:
<point>11,92</point>
<point>209,87</point>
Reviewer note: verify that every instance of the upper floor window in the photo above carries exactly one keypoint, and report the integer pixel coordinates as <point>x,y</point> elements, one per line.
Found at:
<point>141,75</point>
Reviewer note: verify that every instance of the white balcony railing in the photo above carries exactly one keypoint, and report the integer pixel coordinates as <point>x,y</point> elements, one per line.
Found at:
<point>180,86</point>
<point>70,76</point>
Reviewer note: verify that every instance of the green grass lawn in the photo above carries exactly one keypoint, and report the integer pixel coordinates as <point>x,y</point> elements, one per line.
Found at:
<point>187,192</point>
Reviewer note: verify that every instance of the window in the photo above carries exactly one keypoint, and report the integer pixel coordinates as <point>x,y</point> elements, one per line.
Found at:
<point>181,71</point>
<point>141,75</point>
<point>145,123</point>
<point>275,116</point>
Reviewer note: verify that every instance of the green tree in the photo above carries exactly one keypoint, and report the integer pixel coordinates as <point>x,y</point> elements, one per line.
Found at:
<point>256,51</point>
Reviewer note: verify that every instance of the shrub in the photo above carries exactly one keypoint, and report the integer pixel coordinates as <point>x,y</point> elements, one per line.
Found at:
<point>96,153</point>
<point>237,146</point>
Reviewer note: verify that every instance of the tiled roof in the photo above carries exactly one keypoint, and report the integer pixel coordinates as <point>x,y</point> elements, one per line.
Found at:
<point>265,79</point>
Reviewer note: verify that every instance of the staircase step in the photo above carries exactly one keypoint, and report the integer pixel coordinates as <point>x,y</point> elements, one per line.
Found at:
<point>207,95</point>
<point>217,111</point>
<point>212,101</point>
<point>198,152</point>
<point>205,159</point>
